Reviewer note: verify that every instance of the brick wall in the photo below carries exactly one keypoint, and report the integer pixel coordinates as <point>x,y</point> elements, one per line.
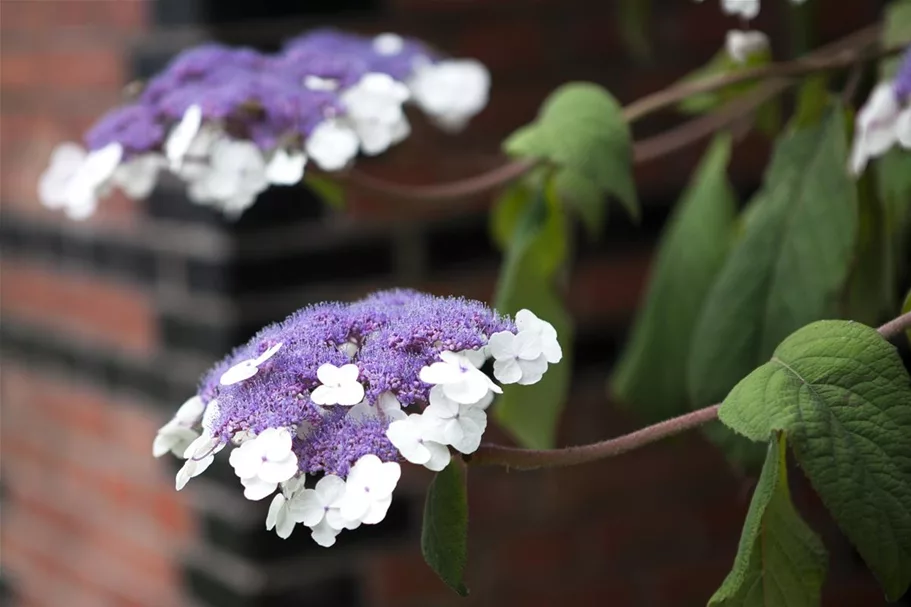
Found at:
<point>107,325</point>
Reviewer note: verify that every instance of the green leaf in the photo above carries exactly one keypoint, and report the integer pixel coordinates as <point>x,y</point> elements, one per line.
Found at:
<point>581,194</point>
<point>537,250</point>
<point>870,294</point>
<point>331,192</point>
<point>444,535</point>
<point>840,393</point>
<point>506,211</point>
<point>812,101</point>
<point>693,247</point>
<point>896,31</point>
<point>581,127</point>
<point>893,177</point>
<point>789,266</point>
<point>780,561</point>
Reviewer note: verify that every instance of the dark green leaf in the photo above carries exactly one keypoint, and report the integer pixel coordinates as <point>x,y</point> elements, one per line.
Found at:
<point>789,265</point>
<point>444,536</point>
<point>581,194</point>
<point>841,394</point>
<point>508,208</point>
<point>893,177</point>
<point>692,250</point>
<point>780,561</point>
<point>537,250</point>
<point>812,102</point>
<point>331,192</point>
<point>720,64</point>
<point>870,294</point>
<point>581,127</point>
<point>896,31</point>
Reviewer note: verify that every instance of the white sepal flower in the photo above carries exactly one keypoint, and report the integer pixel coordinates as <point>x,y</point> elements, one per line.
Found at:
<point>236,176</point>
<point>176,435</point>
<point>407,435</point>
<point>281,514</point>
<point>181,137</point>
<point>332,145</point>
<point>246,369</point>
<point>315,83</point>
<point>741,45</point>
<point>875,128</point>
<point>315,507</point>
<point>550,347</point>
<point>339,385</point>
<point>387,408</point>
<point>903,128</point>
<point>199,455</point>
<point>746,9</point>
<point>286,168</point>
<point>461,380</point>
<point>374,107</point>
<point>451,91</point>
<point>264,462</point>
<point>137,177</point>
<point>91,181</point>
<point>517,358</point>
<point>66,160</point>
<point>368,490</point>
<point>451,423</point>
<point>388,44</point>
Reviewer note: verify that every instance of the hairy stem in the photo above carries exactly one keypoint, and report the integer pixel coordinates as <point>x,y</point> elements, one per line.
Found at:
<point>845,52</point>
<point>529,459</point>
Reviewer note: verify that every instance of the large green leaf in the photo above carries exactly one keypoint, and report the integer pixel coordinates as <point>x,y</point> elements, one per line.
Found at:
<point>840,393</point>
<point>537,250</point>
<point>444,536</point>
<point>893,178</point>
<point>789,265</point>
<point>780,561</point>
<point>870,294</point>
<point>896,31</point>
<point>581,127</point>
<point>692,250</point>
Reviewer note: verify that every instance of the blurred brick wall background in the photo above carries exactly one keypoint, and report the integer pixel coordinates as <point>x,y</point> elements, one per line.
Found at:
<point>107,324</point>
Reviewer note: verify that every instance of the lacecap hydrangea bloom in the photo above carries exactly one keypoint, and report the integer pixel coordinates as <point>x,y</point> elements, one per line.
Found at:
<point>322,408</point>
<point>885,119</point>
<point>232,121</point>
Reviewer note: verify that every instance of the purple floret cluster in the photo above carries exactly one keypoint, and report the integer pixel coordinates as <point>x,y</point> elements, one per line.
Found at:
<point>390,336</point>
<point>257,96</point>
<point>902,82</point>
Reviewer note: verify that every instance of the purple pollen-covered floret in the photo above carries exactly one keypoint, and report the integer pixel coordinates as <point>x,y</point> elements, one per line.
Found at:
<point>337,441</point>
<point>390,336</point>
<point>135,127</point>
<point>902,83</point>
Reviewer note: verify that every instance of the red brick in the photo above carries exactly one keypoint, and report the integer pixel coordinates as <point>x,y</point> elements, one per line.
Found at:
<point>82,305</point>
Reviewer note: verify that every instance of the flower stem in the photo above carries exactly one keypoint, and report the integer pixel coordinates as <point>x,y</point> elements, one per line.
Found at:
<point>529,459</point>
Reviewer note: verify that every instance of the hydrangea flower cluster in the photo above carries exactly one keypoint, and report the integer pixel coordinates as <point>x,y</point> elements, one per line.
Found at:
<point>323,407</point>
<point>885,120</point>
<point>231,121</point>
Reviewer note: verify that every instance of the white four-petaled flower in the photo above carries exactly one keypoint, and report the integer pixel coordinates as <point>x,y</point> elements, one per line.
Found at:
<point>339,385</point>
<point>176,435</point>
<point>368,490</point>
<point>451,91</point>
<point>461,380</point>
<point>286,167</point>
<point>199,455</point>
<point>282,515</point>
<point>448,422</point>
<point>741,45</point>
<point>317,508</point>
<point>517,358</point>
<point>550,347</point>
<point>264,462</point>
<point>375,108</point>
<point>880,124</point>
<point>246,369</point>
<point>332,144</point>
<point>181,137</point>
<point>408,436</point>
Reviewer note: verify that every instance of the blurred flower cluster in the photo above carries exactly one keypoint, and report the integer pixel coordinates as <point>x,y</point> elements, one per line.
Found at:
<point>232,121</point>
<point>323,406</point>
